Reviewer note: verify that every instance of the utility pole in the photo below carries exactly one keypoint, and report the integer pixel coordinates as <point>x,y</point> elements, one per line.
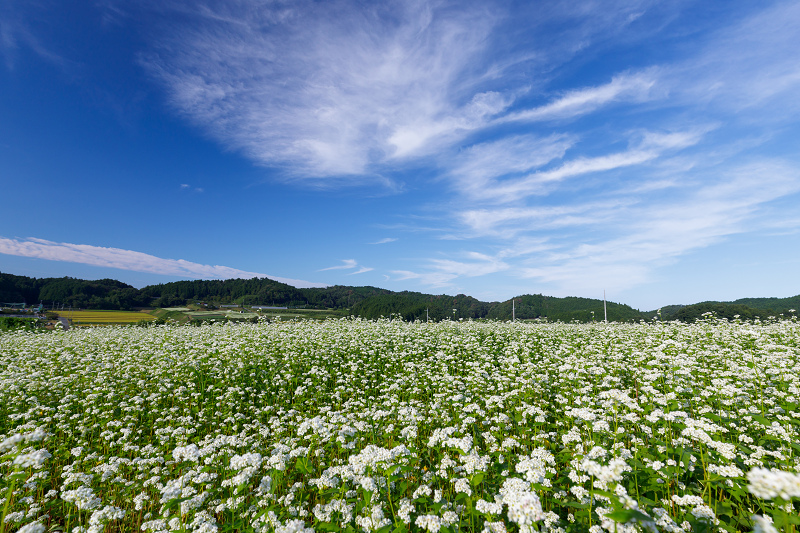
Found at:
<point>513,310</point>
<point>605,313</point>
<point>427,317</point>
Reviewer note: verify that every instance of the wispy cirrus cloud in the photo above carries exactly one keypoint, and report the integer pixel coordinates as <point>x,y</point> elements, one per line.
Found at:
<point>385,240</point>
<point>619,254</point>
<point>442,272</point>
<point>16,34</point>
<point>631,88</point>
<point>342,91</point>
<point>475,96</point>
<point>129,260</point>
<point>327,90</point>
<point>348,264</point>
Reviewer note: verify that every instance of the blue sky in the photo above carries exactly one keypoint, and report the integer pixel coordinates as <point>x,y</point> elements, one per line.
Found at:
<point>648,149</point>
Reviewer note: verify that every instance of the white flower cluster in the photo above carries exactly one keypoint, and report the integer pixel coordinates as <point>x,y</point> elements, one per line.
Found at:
<point>771,484</point>
<point>524,507</point>
<point>687,500</point>
<point>34,459</point>
<point>99,518</point>
<point>281,427</point>
<point>9,443</point>
<point>83,497</point>
<point>374,521</point>
<point>763,524</point>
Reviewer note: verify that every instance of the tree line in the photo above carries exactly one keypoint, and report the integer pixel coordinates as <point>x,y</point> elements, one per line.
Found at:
<point>367,302</point>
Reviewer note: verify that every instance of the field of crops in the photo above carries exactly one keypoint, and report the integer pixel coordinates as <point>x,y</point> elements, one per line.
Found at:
<point>91,317</point>
<point>349,425</point>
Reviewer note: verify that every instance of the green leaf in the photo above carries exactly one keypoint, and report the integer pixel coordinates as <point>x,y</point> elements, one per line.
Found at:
<point>401,528</point>
<point>577,505</point>
<point>304,466</point>
<point>623,516</point>
<point>476,479</point>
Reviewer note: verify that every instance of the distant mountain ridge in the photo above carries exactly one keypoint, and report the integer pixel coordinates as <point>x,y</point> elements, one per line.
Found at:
<point>367,302</point>
<point>743,308</point>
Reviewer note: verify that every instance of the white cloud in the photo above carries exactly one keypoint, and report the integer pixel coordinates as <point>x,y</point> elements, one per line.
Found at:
<point>477,169</point>
<point>16,21</point>
<point>625,254</point>
<point>129,260</point>
<point>507,222</point>
<point>629,87</point>
<point>360,271</point>
<point>346,264</point>
<point>618,243</point>
<point>751,66</point>
<point>385,240</point>
<point>326,89</point>
<point>474,169</point>
<point>441,272</point>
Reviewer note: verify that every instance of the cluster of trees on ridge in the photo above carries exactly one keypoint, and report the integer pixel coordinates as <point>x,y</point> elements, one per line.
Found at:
<point>367,302</point>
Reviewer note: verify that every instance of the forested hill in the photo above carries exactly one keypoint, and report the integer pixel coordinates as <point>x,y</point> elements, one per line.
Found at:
<point>367,302</point>
<point>744,309</point>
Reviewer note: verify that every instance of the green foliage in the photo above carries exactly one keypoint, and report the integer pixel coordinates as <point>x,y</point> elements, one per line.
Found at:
<point>12,323</point>
<point>78,293</point>
<point>690,313</point>
<point>413,305</point>
<point>367,302</point>
<point>564,309</point>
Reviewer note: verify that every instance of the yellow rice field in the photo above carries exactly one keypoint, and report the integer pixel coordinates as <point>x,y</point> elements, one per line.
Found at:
<point>105,317</point>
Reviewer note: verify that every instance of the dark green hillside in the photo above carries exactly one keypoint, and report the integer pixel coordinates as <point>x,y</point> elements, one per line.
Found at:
<point>775,305</point>
<point>18,289</point>
<point>246,291</point>
<point>564,309</point>
<point>340,296</point>
<point>367,302</point>
<point>413,306</point>
<point>667,311</point>
<point>95,294</point>
<point>690,313</point>
<point>745,308</point>
<point>256,291</point>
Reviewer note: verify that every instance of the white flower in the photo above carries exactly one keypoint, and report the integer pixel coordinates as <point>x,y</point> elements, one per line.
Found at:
<point>429,522</point>
<point>83,497</point>
<point>33,527</point>
<point>705,513</point>
<point>494,527</point>
<point>482,506</point>
<point>688,499</point>
<point>525,510</point>
<point>294,526</point>
<point>34,459</point>
<point>763,524</point>
<point>462,485</point>
<point>771,484</point>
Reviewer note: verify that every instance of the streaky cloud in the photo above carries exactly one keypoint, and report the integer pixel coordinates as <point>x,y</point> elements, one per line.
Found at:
<point>130,260</point>
<point>631,87</point>
<point>346,264</point>
<point>361,271</point>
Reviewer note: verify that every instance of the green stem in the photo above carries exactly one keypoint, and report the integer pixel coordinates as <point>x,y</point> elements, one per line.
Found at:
<point>6,506</point>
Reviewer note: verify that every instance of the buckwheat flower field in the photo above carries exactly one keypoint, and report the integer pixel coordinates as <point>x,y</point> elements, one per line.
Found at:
<point>351,425</point>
